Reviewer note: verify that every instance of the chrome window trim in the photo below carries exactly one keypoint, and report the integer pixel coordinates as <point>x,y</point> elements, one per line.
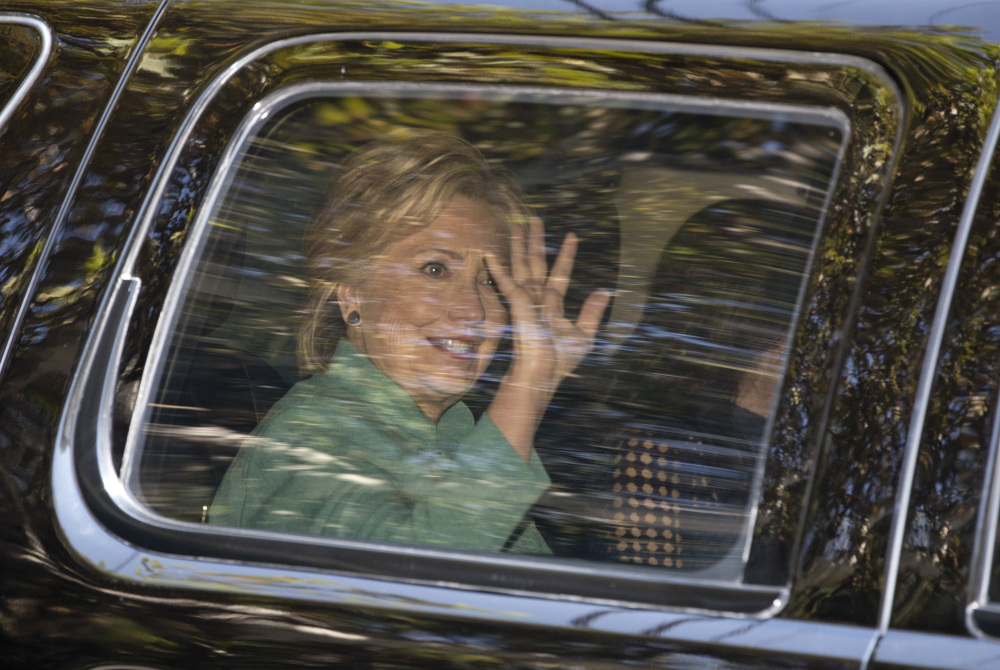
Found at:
<point>116,558</point>
<point>984,550</point>
<point>45,50</point>
<point>925,385</point>
<point>989,516</point>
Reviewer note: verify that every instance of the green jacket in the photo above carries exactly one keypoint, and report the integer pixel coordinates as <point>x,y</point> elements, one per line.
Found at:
<point>348,454</point>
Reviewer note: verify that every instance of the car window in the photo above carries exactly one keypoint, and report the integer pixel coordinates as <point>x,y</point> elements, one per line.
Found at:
<point>722,209</point>
<point>701,219</point>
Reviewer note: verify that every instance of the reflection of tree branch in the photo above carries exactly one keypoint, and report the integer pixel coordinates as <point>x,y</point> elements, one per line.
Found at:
<point>756,8</point>
<point>593,10</point>
<point>587,620</point>
<point>835,5</point>
<point>663,628</point>
<point>742,630</point>
<point>936,16</point>
<point>652,6</point>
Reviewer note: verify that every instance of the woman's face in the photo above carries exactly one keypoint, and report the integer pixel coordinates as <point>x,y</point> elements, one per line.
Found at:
<point>430,315</point>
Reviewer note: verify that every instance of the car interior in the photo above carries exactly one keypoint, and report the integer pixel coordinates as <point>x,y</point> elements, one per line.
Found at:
<point>655,444</point>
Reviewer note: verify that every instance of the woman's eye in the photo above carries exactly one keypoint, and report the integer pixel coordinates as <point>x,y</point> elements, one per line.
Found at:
<point>433,269</point>
<point>489,281</point>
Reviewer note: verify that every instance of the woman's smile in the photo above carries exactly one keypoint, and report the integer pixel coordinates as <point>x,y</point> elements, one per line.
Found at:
<point>458,347</point>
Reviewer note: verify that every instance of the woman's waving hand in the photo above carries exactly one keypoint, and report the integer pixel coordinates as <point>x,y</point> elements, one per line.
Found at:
<point>547,345</point>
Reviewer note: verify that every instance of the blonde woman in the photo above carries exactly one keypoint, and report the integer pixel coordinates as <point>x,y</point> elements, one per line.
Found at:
<point>408,258</point>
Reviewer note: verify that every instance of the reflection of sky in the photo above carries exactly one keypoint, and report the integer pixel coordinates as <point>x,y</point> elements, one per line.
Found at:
<point>863,12</point>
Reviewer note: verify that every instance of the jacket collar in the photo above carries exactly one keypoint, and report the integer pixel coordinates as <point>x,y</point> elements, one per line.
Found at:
<point>393,406</point>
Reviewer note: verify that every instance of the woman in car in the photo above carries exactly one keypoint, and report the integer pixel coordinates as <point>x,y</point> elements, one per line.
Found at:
<point>408,259</point>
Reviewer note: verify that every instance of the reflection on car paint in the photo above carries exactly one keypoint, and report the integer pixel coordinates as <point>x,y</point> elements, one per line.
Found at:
<point>831,474</point>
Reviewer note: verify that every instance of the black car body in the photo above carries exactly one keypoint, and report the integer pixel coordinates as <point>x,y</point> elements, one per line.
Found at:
<point>867,518</point>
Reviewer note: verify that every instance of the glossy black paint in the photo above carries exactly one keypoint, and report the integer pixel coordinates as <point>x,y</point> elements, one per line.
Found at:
<point>849,392</point>
<point>867,432</point>
<point>49,130</point>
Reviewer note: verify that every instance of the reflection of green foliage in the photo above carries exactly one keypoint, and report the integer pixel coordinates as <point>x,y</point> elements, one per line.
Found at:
<point>46,403</point>
<point>97,261</point>
<point>17,281</point>
<point>94,267</point>
<point>176,46</point>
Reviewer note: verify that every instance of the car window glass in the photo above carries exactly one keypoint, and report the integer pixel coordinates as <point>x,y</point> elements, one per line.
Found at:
<point>700,219</point>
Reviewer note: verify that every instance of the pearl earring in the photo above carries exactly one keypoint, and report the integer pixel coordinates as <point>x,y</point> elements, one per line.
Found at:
<point>353,318</point>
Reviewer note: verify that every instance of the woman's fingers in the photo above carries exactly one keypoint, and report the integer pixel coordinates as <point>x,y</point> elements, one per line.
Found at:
<point>505,282</point>
<point>519,269</point>
<point>528,260</point>
<point>592,311</point>
<point>536,251</point>
<point>563,267</point>
<point>536,295</point>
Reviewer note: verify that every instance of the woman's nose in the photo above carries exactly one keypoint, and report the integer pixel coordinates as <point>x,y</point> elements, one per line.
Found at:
<point>467,305</point>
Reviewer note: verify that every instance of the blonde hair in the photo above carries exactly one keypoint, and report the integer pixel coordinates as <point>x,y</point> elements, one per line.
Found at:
<point>382,192</point>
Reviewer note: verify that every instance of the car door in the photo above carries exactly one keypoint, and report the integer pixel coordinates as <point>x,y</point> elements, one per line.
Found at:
<point>726,463</point>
